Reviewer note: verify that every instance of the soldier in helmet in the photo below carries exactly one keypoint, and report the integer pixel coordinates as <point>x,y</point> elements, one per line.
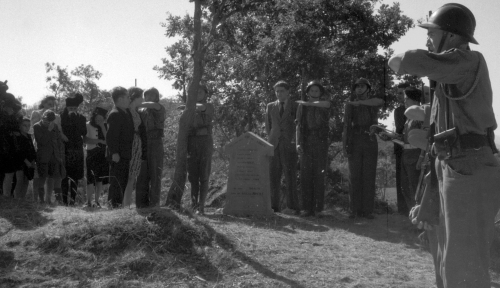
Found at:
<point>312,145</point>
<point>361,148</point>
<point>468,173</point>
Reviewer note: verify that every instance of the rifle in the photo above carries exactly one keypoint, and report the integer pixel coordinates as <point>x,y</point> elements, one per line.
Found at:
<point>429,202</point>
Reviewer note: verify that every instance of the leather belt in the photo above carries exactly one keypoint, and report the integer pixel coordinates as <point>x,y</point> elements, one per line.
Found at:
<point>472,141</point>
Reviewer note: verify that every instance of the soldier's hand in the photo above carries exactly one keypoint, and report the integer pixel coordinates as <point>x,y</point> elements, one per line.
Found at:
<point>115,158</point>
<point>300,150</point>
<point>414,212</point>
<point>51,126</point>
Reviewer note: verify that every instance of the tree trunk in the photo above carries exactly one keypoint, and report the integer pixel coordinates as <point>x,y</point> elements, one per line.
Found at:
<point>178,182</point>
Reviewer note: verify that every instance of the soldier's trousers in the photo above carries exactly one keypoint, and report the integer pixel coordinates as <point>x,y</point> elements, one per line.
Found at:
<point>284,160</point>
<point>312,173</point>
<point>362,173</point>
<point>410,175</point>
<point>199,164</point>
<point>148,187</point>
<point>468,188</point>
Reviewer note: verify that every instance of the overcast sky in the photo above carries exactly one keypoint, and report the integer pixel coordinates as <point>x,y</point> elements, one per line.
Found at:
<point>123,39</point>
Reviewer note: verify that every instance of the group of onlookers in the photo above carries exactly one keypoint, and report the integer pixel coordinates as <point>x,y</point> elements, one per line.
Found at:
<point>122,148</point>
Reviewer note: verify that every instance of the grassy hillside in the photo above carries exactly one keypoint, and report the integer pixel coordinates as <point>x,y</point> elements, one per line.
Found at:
<point>44,246</point>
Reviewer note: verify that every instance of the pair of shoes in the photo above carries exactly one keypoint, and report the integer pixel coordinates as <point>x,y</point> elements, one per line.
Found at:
<point>307,214</point>
<point>369,216</point>
<point>96,205</point>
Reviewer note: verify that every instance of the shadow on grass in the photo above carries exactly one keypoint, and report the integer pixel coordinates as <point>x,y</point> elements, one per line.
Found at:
<point>392,228</point>
<point>278,222</point>
<point>226,244</point>
<point>22,214</point>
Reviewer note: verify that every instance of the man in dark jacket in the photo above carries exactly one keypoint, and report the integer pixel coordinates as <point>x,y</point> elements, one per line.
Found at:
<point>119,141</point>
<point>280,128</point>
<point>149,181</point>
<point>74,127</point>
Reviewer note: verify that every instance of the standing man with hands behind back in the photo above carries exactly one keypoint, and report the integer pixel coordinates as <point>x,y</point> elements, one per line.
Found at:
<point>467,171</point>
<point>119,141</point>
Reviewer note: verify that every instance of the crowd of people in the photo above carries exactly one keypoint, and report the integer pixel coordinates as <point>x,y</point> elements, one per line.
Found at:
<point>122,147</point>
<point>453,132</point>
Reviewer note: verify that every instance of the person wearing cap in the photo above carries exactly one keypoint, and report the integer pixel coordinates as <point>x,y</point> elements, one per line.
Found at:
<point>148,186</point>
<point>312,132</point>
<point>97,165</point>
<point>49,156</point>
<point>281,130</point>
<point>467,171</point>
<point>361,148</point>
<point>200,150</point>
<point>119,145</point>
<point>75,128</point>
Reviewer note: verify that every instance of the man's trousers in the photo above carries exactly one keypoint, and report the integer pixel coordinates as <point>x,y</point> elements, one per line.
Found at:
<point>148,187</point>
<point>199,164</point>
<point>363,172</point>
<point>410,175</point>
<point>118,178</point>
<point>284,161</point>
<point>468,188</point>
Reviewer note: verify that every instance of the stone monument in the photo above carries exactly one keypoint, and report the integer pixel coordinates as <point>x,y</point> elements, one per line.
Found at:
<point>248,185</point>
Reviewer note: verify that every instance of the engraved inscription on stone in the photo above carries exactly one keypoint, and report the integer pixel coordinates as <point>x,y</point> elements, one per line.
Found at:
<point>248,189</point>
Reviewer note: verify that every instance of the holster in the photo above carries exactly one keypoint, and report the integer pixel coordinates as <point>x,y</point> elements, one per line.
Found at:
<point>444,143</point>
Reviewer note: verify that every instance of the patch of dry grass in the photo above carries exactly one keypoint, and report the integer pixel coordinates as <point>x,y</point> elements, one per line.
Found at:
<point>72,247</point>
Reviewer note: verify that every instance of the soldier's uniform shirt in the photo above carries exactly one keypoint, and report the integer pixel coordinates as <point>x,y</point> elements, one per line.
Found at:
<point>467,185</point>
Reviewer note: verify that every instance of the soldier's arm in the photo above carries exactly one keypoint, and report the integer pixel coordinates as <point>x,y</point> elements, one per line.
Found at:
<point>321,104</point>
<point>150,105</point>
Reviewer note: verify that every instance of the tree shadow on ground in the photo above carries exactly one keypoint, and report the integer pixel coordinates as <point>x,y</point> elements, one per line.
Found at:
<point>21,214</point>
<point>225,243</point>
<point>392,228</point>
<point>278,222</point>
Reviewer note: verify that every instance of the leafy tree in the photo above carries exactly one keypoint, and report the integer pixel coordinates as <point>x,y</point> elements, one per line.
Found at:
<point>333,41</point>
<point>220,11</point>
<point>63,83</point>
<point>241,48</point>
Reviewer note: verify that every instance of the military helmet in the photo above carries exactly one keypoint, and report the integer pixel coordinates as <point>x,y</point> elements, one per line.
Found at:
<point>362,81</point>
<point>315,83</point>
<point>454,18</point>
